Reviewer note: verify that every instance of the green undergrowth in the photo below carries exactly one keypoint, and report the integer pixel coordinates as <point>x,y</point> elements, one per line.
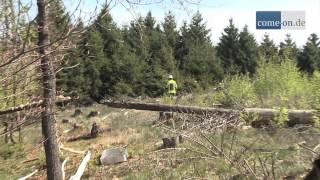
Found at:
<point>275,85</point>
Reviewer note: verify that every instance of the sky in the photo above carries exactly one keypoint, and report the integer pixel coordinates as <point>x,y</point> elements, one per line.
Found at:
<point>216,14</point>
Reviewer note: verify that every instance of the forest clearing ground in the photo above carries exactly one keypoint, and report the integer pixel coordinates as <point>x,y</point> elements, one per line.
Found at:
<point>135,129</point>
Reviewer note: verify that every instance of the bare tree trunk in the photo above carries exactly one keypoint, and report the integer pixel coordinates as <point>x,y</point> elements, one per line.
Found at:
<point>48,82</point>
<point>7,22</point>
<point>18,121</point>
<point>6,124</point>
<point>14,103</point>
<point>5,131</point>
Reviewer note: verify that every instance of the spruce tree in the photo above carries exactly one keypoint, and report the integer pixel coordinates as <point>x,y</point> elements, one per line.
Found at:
<point>200,61</point>
<point>169,27</point>
<point>151,50</point>
<point>60,21</point>
<point>181,49</point>
<point>309,58</point>
<point>84,80</point>
<point>198,30</point>
<point>160,58</point>
<point>249,55</point>
<point>93,60</point>
<point>134,36</point>
<point>288,49</point>
<point>268,49</point>
<point>228,49</point>
<point>111,34</point>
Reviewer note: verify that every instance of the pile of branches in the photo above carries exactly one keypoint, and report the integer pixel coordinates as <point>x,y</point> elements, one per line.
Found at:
<point>209,121</point>
<point>216,136</point>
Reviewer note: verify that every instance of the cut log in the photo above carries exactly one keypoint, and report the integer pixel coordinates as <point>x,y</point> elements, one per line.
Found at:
<point>70,150</point>
<point>28,176</point>
<point>295,116</point>
<point>164,107</point>
<point>62,168</point>
<point>82,167</point>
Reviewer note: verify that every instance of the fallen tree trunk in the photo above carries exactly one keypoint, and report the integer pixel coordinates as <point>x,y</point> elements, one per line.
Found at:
<point>61,147</point>
<point>294,116</point>
<point>82,167</point>
<point>28,176</point>
<point>265,115</point>
<point>29,106</point>
<point>62,168</point>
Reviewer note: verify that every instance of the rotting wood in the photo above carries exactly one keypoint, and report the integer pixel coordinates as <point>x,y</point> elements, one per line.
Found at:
<point>294,116</point>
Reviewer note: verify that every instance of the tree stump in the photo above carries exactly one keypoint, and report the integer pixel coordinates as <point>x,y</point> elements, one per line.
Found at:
<point>179,139</point>
<point>77,126</point>
<point>93,114</point>
<point>315,171</point>
<point>94,130</point>
<point>169,143</point>
<point>65,121</point>
<point>165,115</point>
<point>77,112</point>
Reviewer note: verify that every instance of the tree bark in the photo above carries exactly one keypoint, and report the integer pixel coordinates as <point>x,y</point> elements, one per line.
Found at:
<point>14,103</point>
<point>48,83</point>
<point>314,174</point>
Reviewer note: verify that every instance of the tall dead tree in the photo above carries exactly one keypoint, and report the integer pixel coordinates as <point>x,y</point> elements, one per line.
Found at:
<point>48,82</point>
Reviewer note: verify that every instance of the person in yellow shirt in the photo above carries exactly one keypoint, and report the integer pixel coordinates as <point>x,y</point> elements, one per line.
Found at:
<point>172,86</point>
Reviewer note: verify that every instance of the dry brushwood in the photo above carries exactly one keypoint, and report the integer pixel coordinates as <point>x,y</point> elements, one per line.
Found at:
<point>198,130</point>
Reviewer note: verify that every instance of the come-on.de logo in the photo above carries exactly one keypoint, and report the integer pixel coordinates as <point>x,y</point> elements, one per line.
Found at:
<point>291,20</point>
